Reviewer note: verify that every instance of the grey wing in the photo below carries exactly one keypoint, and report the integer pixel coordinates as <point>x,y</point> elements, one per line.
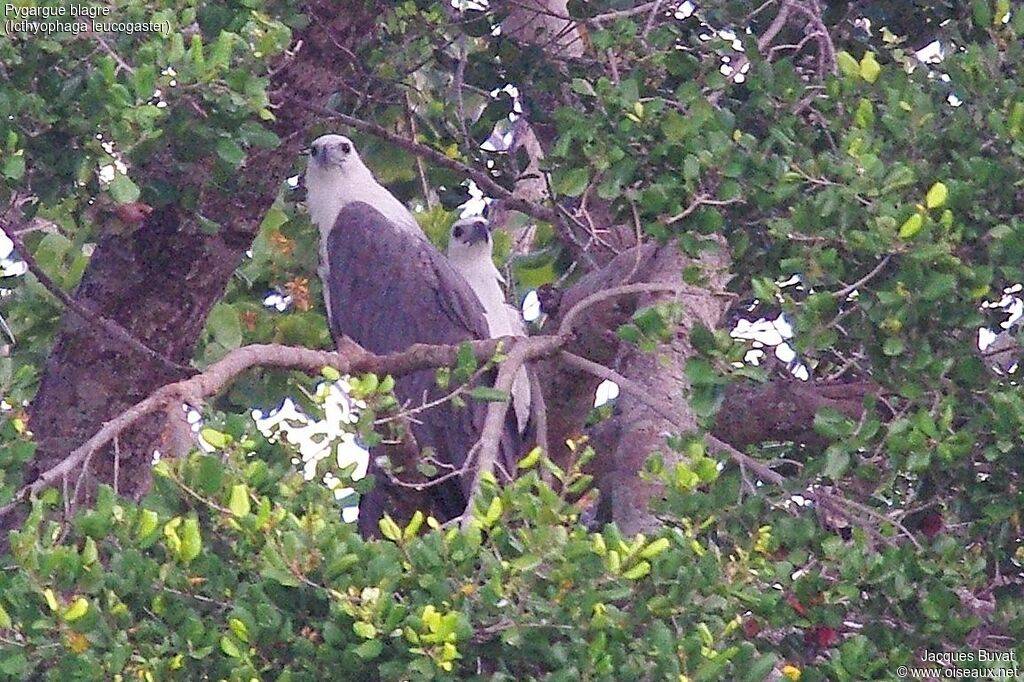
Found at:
<point>389,289</point>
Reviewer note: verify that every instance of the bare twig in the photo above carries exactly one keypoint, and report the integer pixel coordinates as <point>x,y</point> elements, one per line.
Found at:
<point>650,21</point>
<point>565,328</point>
<point>698,201</point>
<point>538,412</point>
<point>826,49</point>
<point>121,64</point>
<point>421,168</point>
<point>409,413</point>
<point>849,289</point>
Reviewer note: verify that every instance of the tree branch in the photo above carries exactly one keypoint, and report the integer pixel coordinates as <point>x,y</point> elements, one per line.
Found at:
<point>351,359</point>
<point>565,328</point>
<point>494,421</point>
<point>849,289</point>
<point>643,395</point>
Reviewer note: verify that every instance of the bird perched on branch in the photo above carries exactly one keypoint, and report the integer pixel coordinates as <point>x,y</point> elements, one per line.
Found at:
<point>470,250</point>
<point>387,288</point>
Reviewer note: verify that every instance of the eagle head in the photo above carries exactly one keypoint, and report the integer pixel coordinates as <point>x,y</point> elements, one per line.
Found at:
<point>332,152</point>
<point>469,236</point>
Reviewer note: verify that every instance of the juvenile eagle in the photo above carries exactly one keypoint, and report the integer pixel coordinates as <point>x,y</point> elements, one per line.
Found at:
<point>470,250</point>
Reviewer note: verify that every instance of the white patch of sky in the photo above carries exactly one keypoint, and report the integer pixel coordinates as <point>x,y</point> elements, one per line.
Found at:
<point>606,392</point>
<point>6,246</point>
<point>685,10</point>
<point>531,306</point>
<point>931,53</point>
<point>277,301</point>
<point>1011,304</point>
<point>317,439</point>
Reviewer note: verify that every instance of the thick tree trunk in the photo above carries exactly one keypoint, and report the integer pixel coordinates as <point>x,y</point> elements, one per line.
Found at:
<point>641,430</point>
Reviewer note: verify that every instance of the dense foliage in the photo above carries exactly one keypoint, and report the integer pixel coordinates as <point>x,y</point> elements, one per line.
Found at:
<point>887,178</point>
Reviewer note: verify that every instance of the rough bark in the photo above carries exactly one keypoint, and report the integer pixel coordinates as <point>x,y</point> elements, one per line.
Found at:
<point>641,430</point>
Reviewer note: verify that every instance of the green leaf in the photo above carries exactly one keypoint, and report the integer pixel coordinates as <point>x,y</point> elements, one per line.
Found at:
<point>833,424</point>
<point>78,608</point>
<point>526,563</point>
<point>675,127</point>
<point>869,67</point>
<point>51,599</point>
<point>892,346</point>
<point>836,463</point>
<point>147,523</point>
<point>123,190</point>
<point>239,629</point>
<point>369,649</point>
<point>191,541</point>
<point>765,289</point>
<point>414,525</point>
<point>389,529</point>
<point>571,182</point>
<point>210,471</point>
<point>225,326</point>
<point>493,512</point>
<point>655,548</point>
<point>638,571</point>
<point>5,618</point>
<point>847,64</point>
<point>231,152</point>
<point>937,195</point>
<point>911,226</point>
<point>280,575</point>
<point>228,646</point>
<point>760,669</point>
<point>531,459</point>
<point>982,13</point>
<point>364,630</point>
<point>215,438</point>
<point>239,501</point>
<point>865,115</point>
<point>701,372</point>
<point>144,81</point>
<point>14,167</point>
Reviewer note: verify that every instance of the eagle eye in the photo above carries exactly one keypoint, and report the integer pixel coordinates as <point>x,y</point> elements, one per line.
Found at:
<point>346,147</point>
<point>458,232</point>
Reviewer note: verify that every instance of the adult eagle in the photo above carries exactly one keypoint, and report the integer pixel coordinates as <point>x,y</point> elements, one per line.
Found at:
<point>386,287</point>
